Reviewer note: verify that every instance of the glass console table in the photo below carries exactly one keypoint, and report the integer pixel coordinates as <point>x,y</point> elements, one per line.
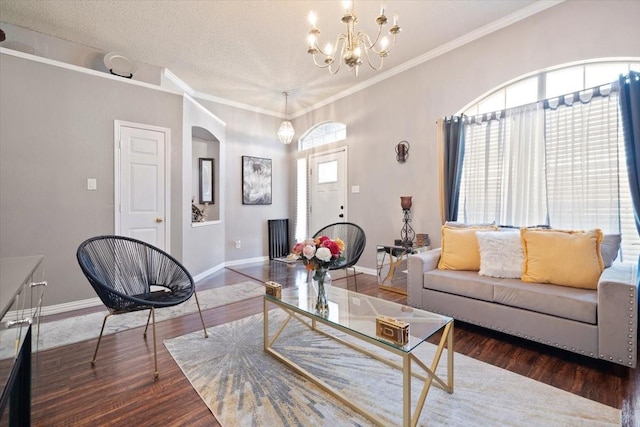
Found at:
<point>391,266</point>
<point>355,314</point>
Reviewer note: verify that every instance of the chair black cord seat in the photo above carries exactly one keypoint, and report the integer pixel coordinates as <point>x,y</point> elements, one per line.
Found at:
<point>131,275</point>
<point>354,240</point>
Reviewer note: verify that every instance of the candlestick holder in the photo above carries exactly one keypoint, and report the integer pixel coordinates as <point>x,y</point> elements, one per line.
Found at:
<point>406,234</point>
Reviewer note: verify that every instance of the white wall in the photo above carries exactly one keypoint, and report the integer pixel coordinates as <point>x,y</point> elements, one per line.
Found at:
<point>251,134</point>
<point>57,130</point>
<point>406,107</point>
<point>202,248</point>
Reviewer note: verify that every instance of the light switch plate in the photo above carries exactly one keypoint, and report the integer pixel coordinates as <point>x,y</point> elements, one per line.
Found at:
<point>92,184</point>
<point>355,188</point>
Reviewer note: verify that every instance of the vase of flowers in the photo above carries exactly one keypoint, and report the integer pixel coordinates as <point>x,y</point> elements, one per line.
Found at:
<point>322,282</point>
<point>319,255</point>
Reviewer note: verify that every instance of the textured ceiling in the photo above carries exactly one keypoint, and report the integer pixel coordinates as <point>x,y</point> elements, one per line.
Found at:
<point>249,52</point>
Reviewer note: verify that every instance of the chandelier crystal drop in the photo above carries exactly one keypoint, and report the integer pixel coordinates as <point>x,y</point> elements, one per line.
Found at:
<point>285,133</point>
<point>355,45</point>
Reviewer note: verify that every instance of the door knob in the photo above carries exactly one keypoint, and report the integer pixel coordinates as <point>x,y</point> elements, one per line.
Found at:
<point>159,220</point>
<point>341,215</point>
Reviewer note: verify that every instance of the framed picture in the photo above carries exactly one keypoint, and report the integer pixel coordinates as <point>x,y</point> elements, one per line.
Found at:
<point>256,181</point>
<point>206,180</point>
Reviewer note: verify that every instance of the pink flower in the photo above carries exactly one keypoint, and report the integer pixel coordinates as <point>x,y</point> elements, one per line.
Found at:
<point>309,251</point>
<point>297,249</point>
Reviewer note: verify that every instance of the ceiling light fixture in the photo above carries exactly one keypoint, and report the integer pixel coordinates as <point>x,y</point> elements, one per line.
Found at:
<point>355,44</point>
<point>285,133</point>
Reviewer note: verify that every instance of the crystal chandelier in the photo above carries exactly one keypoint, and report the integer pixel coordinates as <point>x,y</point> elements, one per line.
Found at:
<point>355,44</point>
<point>285,133</point>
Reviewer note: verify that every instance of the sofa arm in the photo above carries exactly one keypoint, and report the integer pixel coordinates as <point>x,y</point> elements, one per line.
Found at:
<point>417,265</point>
<point>618,314</point>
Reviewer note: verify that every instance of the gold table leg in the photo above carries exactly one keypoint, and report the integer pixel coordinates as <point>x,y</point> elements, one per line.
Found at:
<point>409,417</point>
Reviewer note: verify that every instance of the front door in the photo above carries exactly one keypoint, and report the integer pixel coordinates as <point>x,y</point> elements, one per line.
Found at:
<point>140,183</point>
<point>328,189</point>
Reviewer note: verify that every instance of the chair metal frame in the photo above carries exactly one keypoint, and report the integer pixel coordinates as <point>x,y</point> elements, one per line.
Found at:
<point>114,275</point>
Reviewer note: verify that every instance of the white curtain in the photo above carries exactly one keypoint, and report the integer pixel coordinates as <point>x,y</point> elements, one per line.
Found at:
<point>503,178</point>
<point>583,181</point>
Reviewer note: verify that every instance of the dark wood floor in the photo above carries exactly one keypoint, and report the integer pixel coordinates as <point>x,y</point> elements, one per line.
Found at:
<point>121,390</point>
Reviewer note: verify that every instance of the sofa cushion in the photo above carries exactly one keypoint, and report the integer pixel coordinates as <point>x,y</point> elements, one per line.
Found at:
<point>460,248</point>
<point>465,283</point>
<point>609,248</point>
<point>561,301</point>
<point>566,258</point>
<point>500,254</point>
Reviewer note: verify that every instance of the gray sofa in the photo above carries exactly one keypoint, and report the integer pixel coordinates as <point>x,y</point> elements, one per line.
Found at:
<point>597,323</point>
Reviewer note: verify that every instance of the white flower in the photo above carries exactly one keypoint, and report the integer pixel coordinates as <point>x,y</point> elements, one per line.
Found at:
<point>309,251</point>
<point>323,254</point>
<point>309,242</point>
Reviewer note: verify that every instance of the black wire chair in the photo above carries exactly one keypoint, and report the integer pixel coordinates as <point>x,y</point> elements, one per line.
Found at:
<point>354,240</point>
<point>131,275</point>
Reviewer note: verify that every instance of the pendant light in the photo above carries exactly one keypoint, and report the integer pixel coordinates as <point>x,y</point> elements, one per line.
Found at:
<point>285,133</point>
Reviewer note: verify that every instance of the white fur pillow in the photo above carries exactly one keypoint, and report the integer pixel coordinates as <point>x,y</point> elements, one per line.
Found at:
<point>501,254</point>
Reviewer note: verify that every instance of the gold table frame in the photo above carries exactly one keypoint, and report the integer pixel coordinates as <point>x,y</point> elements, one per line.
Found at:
<point>397,254</point>
<point>408,358</point>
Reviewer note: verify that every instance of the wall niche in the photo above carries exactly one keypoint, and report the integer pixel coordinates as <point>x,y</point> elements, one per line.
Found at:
<point>205,177</point>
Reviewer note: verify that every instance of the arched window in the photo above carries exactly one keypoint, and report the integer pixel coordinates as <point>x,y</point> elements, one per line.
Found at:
<point>550,83</point>
<point>547,149</point>
<point>322,134</point>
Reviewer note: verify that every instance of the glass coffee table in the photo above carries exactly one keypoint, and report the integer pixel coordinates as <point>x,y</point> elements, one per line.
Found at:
<point>355,314</point>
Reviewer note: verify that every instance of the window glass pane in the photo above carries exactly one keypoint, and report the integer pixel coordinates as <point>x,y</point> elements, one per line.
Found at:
<point>584,156</point>
<point>599,74</point>
<point>328,172</point>
<point>322,134</point>
<point>494,102</point>
<point>472,111</point>
<point>564,81</point>
<point>522,92</point>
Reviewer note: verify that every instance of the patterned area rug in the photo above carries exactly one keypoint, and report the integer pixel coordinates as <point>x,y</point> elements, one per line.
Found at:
<point>243,386</point>
<point>86,327</point>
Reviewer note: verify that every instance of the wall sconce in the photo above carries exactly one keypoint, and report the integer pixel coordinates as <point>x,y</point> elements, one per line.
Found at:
<point>402,151</point>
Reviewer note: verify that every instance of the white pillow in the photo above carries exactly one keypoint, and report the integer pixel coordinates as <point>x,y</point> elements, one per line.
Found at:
<point>501,254</point>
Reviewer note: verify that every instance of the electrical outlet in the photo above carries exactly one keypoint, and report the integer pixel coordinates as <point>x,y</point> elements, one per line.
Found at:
<point>238,244</point>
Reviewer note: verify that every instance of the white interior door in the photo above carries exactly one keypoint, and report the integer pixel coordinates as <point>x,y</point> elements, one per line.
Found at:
<point>328,189</point>
<point>141,184</point>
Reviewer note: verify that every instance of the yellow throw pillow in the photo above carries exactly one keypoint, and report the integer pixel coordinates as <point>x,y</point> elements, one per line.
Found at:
<point>460,249</point>
<point>559,257</point>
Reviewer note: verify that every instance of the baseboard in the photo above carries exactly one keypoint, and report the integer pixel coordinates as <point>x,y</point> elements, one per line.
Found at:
<point>70,306</point>
<point>245,261</point>
<point>208,272</point>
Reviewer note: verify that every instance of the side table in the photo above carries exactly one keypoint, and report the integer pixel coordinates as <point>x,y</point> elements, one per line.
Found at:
<point>391,266</point>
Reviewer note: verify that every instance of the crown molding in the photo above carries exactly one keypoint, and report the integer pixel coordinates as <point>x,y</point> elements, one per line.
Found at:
<point>89,71</point>
<point>494,26</point>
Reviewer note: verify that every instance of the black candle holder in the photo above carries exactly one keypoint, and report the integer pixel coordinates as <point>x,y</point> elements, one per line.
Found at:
<point>407,234</point>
